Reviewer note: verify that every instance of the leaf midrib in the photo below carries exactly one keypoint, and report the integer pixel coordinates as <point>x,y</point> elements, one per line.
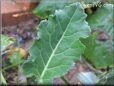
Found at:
<point>45,68</point>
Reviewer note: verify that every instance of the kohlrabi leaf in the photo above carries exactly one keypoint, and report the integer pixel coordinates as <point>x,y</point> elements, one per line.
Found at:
<point>89,2</point>
<point>58,46</point>
<point>102,19</point>
<point>47,7</point>
<point>99,54</point>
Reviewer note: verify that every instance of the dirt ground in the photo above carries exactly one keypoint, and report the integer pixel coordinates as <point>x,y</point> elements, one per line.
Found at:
<point>24,31</point>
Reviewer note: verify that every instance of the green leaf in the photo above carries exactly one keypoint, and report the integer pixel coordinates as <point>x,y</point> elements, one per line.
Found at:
<point>47,7</point>
<point>102,19</point>
<point>5,41</point>
<point>89,2</point>
<point>100,54</point>
<point>15,58</point>
<point>59,45</point>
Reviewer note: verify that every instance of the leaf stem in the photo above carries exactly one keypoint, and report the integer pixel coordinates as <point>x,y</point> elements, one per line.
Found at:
<point>11,66</point>
<point>8,67</point>
<point>65,81</point>
<point>3,81</point>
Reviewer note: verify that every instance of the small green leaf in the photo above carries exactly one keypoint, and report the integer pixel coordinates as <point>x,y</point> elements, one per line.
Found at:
<point>100,54</point>
<point>5,41</point>
<point>59,45</point>
<point>102,19</point>
<point>47,7</point>
<point>15,58</point>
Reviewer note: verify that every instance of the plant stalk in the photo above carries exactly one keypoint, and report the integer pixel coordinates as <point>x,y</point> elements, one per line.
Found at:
<point>3,81</point>
<point>65,81</point>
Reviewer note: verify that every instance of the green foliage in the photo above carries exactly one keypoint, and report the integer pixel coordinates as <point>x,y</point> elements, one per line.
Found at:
<point>15,58</point>
<point>59,45</point>
<point>110,1</point>
<point>5,41</point>
<point>64,36</point>
<point>102,19</point>
<point>59,36</point>
<point>47,7</point>
<point>98,53</point>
